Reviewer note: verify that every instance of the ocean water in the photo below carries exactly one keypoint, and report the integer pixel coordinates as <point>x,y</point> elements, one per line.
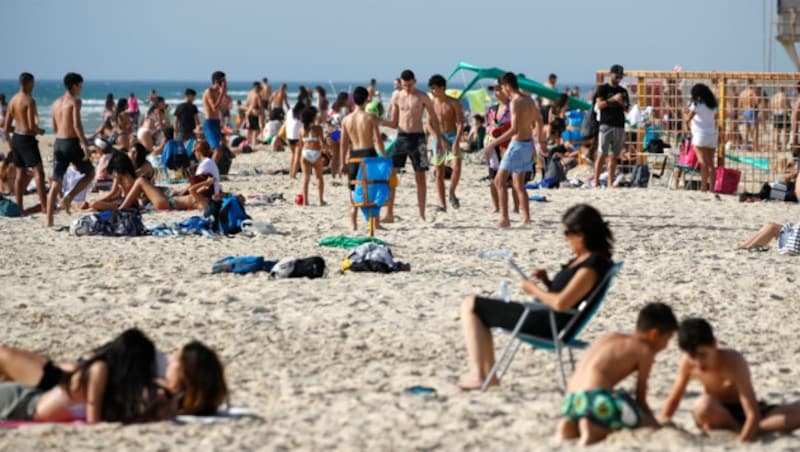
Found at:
<point>94,94</point>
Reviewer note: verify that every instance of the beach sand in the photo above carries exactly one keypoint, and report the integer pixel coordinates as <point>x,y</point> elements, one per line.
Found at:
<point>324,362</point>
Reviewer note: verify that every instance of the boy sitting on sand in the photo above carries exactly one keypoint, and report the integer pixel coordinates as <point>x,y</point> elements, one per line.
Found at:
<point>592,408</point>
<point>729,401</point>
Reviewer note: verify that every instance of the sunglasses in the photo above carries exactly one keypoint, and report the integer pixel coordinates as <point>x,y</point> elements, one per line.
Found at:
<point>570,232</point>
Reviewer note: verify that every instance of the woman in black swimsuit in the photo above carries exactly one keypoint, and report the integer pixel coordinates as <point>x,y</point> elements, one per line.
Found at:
<point>591,243</point>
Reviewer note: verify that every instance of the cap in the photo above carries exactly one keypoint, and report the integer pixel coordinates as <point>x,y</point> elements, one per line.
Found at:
<point>617,69</point>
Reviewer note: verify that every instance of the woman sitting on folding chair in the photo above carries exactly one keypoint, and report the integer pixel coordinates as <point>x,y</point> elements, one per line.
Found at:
<point>591,243</point>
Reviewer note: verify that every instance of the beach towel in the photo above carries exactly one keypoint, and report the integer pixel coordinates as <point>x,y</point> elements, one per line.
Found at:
<point>194,225</point>
<point>232,413</point>
<point>371,257</point>
<point>346,242</point>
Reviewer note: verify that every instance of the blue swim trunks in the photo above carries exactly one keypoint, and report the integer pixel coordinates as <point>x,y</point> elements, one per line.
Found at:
<point>213,132</point>
<point>518,158</point>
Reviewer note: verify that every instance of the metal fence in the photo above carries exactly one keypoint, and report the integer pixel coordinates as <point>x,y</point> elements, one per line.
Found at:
<point>754,118</point>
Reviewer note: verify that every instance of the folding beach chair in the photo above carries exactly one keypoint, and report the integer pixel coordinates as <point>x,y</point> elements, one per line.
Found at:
<point>566,338</point>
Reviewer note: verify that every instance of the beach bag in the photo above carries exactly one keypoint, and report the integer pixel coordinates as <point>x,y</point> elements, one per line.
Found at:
<point>727,181</point>
<point>656,146</point>
<point>555,170</point>
<point>590,127</point>
<point>789,240</point>
<point>641,176</point>
<point>309,267</point>
<point>226,216</point>
<point>370,257</point>
<point>127,223</point>
<point>9,208</point>
<point>687,156</point>
<point>123,223</point>
<point>241,265</point>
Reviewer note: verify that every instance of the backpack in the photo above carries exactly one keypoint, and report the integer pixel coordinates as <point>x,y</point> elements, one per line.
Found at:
<point>656,146</point>
<point>241,265</point>
<point>226,216</point>
<point>9,208</point>
<point>122,223</point>
<point>641,176</point>
<point>309,267</point>
<point>555,170</point>
<point>175,156</point>
<point>370,257</point>
<point>590,127</point>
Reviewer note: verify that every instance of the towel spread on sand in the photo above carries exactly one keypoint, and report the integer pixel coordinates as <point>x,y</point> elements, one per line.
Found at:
<point>191,226</point>
<point>346,242</point>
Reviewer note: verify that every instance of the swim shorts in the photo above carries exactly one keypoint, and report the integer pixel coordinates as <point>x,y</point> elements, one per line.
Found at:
<point>611,140</point>
<point>67,151</point>
<point>213,132</point>
<point>18,402</point>
<point>352,166</point>
<point>613,410</point>
<point>441,158</point>
<point>737,412</point>
<point>749,116</point>
<point>26,151</point>
<point>410,146</point>
<point>518,157</point>
<point>252,122</point>
<point>51,376</point>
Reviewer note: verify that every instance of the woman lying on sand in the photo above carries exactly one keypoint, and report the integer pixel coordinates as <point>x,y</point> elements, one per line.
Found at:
<point>116,384</point>
<point>788,236</point>
<point>127,187</point>
<point>591,243</point>
<point>194,373</point>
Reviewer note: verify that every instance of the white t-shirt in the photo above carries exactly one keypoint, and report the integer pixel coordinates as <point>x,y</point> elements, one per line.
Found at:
<point>703,120</point>
<point>292,127</point>
<point>208,166</point>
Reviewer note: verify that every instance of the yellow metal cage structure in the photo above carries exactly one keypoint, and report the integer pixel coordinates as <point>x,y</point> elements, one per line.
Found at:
<point>756,120</point>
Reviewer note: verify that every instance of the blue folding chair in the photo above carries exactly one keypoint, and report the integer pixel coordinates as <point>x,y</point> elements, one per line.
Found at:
<point>559,340</point>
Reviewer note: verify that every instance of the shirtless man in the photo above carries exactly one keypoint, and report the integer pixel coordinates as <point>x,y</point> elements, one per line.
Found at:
<point>372,89</point>
<point>592,408</point>
<point>266,95</point>
<point>729,401</point>
<point>70,147</point>
<point>213,103</point>
<point>406,108</point>
<point>360,138</point>
<point>747,104</point>
<point>280,98</point>
<point>254,114</point>
<point>518,159</point>
<point>22,118</point>
<point>451,121</point>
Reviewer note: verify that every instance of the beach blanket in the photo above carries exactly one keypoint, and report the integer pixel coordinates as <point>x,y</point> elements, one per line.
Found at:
<point>343,241</point>
<point>194,225</point>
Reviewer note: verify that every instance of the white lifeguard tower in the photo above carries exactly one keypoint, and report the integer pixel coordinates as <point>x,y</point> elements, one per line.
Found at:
<point>788,33</point>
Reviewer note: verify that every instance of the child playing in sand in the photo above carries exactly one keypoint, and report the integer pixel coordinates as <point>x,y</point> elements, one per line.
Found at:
<point>592,408</point>
<point>729,401</point>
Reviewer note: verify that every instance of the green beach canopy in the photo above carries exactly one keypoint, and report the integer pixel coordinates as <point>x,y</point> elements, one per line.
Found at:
<point>528,85</point>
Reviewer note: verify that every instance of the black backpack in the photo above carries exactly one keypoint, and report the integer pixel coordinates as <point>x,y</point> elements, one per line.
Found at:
<point>590,127</point>
<point>656,146</point>
<point>309,267</point>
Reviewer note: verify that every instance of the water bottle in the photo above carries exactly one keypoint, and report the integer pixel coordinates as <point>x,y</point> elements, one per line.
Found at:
<point>503,290</point>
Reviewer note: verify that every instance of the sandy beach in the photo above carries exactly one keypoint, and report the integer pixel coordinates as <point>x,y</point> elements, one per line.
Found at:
<point>324,363</point>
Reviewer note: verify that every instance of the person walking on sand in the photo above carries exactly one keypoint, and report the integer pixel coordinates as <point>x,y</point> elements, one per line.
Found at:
<point>407,107</point>
<point>70,147</point>
<point>518,159</point>
<point>612,101</point>
<point>450,116</point>
<point>213,103</point>
<point>361,137</point>
<point>21,119</point>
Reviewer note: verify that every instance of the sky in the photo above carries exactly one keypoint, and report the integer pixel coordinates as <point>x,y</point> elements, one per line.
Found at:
<point>351,40</point>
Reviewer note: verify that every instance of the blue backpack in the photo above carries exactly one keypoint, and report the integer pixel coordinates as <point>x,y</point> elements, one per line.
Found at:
<point>241,265</point>
<point>9,208</point>
<point>175,156</point>
<point>227,216</point>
